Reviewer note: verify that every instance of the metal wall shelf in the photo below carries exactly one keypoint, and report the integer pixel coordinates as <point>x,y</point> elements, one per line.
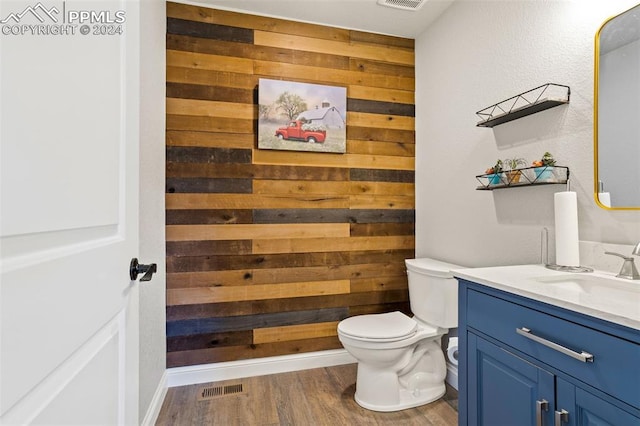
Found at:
<point>541,98</point>
<point>527,176</point>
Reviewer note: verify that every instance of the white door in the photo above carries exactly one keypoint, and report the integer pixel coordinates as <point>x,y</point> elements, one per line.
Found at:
<point>69,86</point>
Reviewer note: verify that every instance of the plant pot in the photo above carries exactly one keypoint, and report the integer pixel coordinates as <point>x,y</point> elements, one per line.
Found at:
<point>513,176</point>
<point>494,178</point>
<point>544,174</point>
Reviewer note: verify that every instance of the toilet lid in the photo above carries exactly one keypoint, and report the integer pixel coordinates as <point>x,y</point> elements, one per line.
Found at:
<point>385,327</point>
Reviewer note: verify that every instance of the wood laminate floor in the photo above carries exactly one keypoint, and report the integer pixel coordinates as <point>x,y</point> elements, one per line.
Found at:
<point>322,396</point>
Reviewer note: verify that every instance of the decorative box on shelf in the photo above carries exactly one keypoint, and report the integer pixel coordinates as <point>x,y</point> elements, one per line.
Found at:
<point>527,176</point>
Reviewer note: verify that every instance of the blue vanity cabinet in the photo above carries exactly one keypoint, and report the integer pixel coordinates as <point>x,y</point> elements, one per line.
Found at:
<point>510,373</point>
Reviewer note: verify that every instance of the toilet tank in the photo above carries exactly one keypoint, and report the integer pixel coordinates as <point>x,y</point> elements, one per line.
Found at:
<point>433,291</point>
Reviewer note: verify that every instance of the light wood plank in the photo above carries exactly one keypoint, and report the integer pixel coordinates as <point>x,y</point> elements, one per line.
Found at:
<point>297,158</point>
<point>199,295</point>
<point>210,139</point>
<point>253,201</point>
<point>284,275</point>
<point>203,61</point>
<point>299,187</point>
<point>355,146</point>
<point>320,75</point>
<point>209,124</point>
<point>356,91</point>
<point>362,161</point>
<point>197,107</point>
<point>388,121</point>
<point>315,245</point>
<point>210,77</point>
<point>253,231</point>
<point>381,202</point>
<point>382,188</point>
<point>313,159</point>
<point>295,332</point>
<point>365,51</point>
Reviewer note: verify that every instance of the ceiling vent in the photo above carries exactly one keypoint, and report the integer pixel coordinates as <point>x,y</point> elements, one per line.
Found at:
<point>403,4</point>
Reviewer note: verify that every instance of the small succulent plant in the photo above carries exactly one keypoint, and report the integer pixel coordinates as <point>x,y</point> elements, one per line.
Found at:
<point>496,168</point>
<point>546,160</point>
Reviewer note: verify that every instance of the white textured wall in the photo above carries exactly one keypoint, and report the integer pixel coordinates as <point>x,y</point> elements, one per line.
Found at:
<point>152,216</point>
<point>479,53</point>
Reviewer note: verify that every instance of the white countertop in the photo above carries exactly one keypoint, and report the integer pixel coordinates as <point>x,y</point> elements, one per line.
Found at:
<point>598,294</point>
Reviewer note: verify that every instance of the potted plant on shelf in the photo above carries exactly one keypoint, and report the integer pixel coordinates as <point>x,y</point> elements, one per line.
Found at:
<point>512,173</point>
<point>494,172</point>
<point>544,167</point>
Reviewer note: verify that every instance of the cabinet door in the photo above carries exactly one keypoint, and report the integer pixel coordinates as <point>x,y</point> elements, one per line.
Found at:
<point>505,389</point>
<point>585,409</point>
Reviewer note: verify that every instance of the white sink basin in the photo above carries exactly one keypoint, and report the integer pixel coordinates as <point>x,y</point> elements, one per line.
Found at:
<point>589,289</point>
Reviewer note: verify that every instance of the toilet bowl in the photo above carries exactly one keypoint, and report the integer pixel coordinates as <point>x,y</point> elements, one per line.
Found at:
<point>400,361</point>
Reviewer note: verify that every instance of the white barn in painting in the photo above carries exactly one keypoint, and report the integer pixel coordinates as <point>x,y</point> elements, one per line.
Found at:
<point>326,115</point>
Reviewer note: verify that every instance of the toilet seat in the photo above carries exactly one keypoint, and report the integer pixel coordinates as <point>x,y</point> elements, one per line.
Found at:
<point>388,327</point>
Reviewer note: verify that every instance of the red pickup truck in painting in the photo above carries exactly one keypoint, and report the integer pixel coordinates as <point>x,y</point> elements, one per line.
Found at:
<point>303,132</point>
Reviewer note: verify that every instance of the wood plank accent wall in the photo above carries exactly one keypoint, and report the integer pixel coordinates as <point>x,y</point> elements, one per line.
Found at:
<point>268,250</point>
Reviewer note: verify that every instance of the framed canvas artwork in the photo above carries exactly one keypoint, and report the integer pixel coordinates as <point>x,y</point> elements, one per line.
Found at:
<point>301,117</point>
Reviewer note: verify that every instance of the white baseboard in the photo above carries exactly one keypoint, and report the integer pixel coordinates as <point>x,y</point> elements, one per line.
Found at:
<point>452,375</point>
<point>156,402</point>
<point>182,376</point>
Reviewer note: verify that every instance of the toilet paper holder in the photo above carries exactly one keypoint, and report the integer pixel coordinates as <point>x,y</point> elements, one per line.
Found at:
<point>544,256</point>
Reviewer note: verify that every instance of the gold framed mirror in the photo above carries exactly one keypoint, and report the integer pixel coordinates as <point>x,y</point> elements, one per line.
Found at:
<point>617,112</point>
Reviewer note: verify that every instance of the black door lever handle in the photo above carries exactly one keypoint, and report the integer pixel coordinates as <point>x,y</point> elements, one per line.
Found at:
<point>136,268</point>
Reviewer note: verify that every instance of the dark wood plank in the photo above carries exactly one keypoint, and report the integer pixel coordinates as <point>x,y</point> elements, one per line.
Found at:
<point>381,229</point>
<point>197,154</point>
<point>209,340</point>
<point>249,322</point>
<point>232,353</point>
<point>292,260</point>
<point>208,248</point>
<point>243,20</point>
<point>210,93</point>
<point>256,307</point>
<point>377,107</point>
<point>333,216</point>
<point>208,185</point>
<point>380,256</point>
<point>377,175</point>
<point>385,40</point>
<point>211,31</point>
<point>208,217</point>
<point>257,171</point>
<point>376,67</point>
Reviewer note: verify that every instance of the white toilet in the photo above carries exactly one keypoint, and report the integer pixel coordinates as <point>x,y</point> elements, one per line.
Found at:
<point>400,361</point>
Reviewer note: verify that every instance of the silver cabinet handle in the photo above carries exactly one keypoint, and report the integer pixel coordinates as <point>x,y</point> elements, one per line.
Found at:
<point>560,417</point>
<point>541,406</point>
<point>583,356</point>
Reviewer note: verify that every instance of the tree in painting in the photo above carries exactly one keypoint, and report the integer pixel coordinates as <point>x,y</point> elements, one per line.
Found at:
<point>290,104</point>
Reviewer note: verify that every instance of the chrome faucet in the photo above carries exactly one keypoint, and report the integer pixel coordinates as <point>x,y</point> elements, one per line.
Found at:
<point>628,269</point>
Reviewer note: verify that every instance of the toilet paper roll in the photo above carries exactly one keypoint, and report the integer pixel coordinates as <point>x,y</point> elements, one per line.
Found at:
<point>452,350</point>
<point>566,217</point>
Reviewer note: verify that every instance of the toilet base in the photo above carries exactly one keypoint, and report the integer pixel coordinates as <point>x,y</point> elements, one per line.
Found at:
<point>407,399</point>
